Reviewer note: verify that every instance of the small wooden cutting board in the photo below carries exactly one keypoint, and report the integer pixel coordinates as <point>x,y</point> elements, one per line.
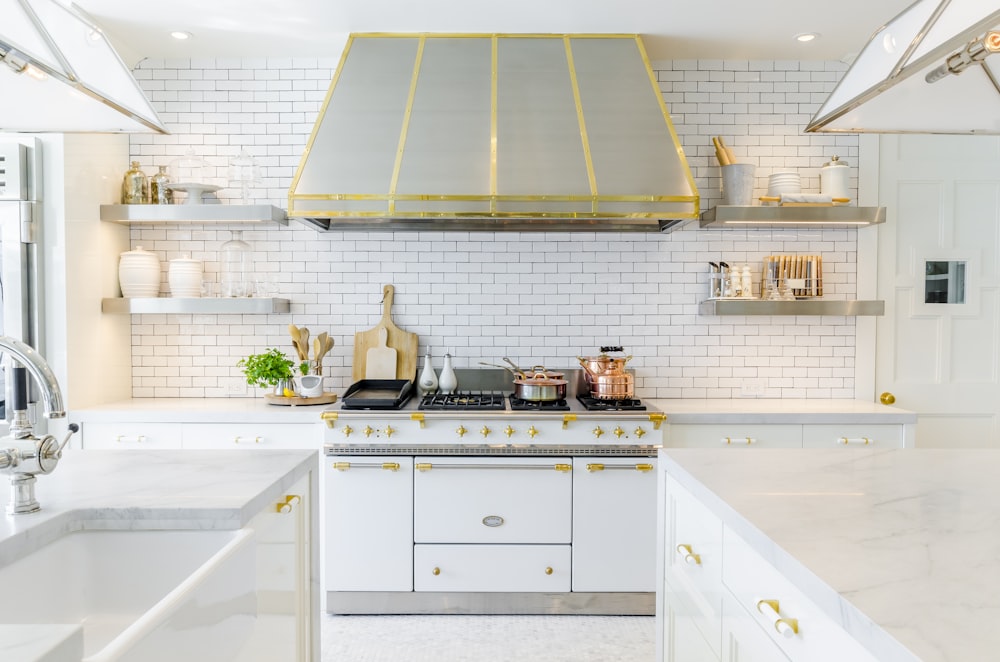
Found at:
<point>380,361</point>
<point>404,342</point>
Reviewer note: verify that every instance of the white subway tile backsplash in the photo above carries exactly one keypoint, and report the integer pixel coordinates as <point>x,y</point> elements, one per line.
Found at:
<point>538,298</point>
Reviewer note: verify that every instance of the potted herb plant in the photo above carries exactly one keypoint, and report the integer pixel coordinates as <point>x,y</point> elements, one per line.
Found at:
<point>272,368</point>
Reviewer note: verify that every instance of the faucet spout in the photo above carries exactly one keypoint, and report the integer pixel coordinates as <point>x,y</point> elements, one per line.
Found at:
<point>27,356</point>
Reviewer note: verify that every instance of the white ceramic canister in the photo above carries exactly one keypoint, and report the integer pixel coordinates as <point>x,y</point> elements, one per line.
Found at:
<point>139,273</point>
<point>184,277</point>
<point>833,178</point>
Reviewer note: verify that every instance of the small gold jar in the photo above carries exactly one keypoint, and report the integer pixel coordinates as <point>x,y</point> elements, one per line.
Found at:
<point>135,186</point>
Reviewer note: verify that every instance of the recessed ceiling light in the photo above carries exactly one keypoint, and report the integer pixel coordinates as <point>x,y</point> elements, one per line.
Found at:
<point>807,36</point>
<point>180,35</point>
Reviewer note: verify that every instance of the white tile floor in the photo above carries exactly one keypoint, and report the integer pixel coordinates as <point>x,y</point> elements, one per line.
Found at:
<point>488,638</point>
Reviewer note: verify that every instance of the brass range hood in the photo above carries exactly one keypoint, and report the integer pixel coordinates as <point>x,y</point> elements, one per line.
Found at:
<point>493,132</point>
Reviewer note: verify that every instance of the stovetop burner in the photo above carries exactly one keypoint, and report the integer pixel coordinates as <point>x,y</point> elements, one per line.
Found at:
<point>469,401</point>
<point>517,404</point>
<point>598,404</point>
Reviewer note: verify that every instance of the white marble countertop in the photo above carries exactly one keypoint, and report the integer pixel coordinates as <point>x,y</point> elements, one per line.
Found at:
<point>898,546</point>
<point>779,410</point>
<point>257,410</point>
<point>196,410</point>
<point>151,490</point>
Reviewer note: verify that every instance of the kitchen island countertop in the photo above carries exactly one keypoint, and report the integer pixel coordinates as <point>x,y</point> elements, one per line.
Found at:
<point>899,547</point>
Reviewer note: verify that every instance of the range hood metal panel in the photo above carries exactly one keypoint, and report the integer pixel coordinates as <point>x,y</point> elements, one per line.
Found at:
<point>497,131</point>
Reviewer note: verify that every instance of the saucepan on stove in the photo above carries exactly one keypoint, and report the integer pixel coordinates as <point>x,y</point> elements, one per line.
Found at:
<point>606,376</point>
<point>537,384</point>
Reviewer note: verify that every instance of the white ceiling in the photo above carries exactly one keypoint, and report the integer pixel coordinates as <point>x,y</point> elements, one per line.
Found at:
<point>688,29</point>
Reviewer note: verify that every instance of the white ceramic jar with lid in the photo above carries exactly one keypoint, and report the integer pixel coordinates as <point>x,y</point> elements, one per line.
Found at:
<point>139,273</point>
<point>833,177</point>
<point>184,277</point>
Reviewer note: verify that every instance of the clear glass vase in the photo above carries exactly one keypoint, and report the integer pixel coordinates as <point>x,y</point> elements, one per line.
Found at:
<point>236,275</point>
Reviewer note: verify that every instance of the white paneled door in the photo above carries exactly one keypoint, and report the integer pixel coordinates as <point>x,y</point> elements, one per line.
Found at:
<point>937,345</point>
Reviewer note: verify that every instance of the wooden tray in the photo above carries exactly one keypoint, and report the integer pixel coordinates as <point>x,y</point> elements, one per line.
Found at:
<point>325,399</point>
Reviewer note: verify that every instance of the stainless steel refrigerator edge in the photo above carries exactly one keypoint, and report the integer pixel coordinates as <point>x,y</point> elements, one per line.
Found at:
<point>21,274</point>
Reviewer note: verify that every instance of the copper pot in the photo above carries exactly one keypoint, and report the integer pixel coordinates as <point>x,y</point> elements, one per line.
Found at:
<point>606,376</point>
<point>613,387</point>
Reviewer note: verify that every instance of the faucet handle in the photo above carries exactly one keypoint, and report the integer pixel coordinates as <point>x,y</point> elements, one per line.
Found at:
<point>73,428</point>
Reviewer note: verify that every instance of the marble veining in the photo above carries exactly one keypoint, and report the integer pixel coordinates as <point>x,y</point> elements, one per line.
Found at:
<point>898,546</point>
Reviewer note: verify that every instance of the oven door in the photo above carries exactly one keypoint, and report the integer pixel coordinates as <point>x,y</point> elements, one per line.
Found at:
<point>493,499</point>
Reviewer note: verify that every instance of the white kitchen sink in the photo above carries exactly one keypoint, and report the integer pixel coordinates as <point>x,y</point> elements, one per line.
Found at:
<point>140,595</point>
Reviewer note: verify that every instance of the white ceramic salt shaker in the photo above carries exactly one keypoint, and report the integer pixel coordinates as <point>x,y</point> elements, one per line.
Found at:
<point>428,381</point>
<point>448,381</point>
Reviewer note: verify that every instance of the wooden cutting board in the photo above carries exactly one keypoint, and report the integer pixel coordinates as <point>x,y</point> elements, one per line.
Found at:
<point>404,342</point>
<point>380,361</point>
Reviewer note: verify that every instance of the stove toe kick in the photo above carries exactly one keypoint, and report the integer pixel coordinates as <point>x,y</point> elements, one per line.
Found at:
<point>491,603</point>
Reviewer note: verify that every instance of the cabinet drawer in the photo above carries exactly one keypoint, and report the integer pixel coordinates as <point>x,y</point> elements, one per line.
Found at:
<point>791,620</point>
<point>513,568</point>
<point>132,435</point>
<point>735,435</point>
<point>861,436</point>
<point>223,436</point>
<point>693,558</point>
<point>492,500</point>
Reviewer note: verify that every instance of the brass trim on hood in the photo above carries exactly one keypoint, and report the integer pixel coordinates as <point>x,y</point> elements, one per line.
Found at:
<point>649,209</point>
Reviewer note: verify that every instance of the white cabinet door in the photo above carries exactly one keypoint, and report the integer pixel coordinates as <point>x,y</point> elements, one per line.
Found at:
<point>491,568</point>
<point>147,436</point>
<point>368,506</point>
<point>492,500</point>
<point>851,436</point>
<point>733,435</point>
<point>681,640</point>
<point>614,524</point>
<point>744,640</point>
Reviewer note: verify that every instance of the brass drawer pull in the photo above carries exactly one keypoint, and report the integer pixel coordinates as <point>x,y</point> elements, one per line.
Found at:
<point>786,627</point>
<point>689,556</point>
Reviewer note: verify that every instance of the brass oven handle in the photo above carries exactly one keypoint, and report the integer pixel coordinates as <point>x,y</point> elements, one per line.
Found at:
<point>427,466</point>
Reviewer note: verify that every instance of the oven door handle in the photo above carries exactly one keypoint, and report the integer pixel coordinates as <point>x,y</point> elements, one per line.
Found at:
<point>344,466</point>
<point>563,467</point>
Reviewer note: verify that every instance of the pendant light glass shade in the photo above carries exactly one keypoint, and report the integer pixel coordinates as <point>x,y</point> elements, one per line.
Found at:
<point>931,69</point>
<point>59,73</point>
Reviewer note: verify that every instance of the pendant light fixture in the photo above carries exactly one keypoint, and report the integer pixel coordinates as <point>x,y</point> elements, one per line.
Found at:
<point>931,69</point>
<point>59,73</point>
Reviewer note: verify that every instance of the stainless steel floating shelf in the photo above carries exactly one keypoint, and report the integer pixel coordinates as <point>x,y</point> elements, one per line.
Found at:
<point>799,307</point>
<point>194,305</point>
<point>788,216</point>
<point>184,213</point>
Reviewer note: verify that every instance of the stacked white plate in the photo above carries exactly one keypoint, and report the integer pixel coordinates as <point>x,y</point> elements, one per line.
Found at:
<point>184,277</point>
<point>139,273</point>
<point>783,183</point>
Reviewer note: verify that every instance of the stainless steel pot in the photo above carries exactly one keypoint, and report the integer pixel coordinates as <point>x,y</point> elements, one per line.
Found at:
<point>539,387</point>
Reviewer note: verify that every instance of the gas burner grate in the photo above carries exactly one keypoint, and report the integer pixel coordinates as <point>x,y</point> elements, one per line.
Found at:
<point>598,404</point>
<point>468,401</point>
<point>518,404</point>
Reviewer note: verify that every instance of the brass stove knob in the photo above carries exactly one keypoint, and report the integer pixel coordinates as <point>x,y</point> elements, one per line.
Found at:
<point>368,431</point>
<point>485,432</point>
<point>598,432</point>
<point>532,432</point>
<point>639,432</point>
<point>508,431</point>
<point>389,431</point>
<point>347,430</point>
<point>618,431</point>
<point>461,431</point>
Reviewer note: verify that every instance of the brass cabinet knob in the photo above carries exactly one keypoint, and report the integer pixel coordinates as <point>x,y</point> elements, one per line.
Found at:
<point>368,431</point>
<point>461,431</point>
<point>887,398</point>
<point>532,432</point>
<point>389,431</point>
<point>436,571</point>
<point>618,432</point>
<point>508,431</point>
<point>548,571</point>
<point>640,433</point>
<point>347,430</point>
<point>485,432</point>
<point>598,432</point>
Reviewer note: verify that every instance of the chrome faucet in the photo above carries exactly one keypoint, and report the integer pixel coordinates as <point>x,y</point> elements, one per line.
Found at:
<point>22,454</point>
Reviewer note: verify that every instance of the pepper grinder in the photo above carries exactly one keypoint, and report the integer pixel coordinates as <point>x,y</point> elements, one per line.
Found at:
<point>449,380</point>
<point>428,382</point>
